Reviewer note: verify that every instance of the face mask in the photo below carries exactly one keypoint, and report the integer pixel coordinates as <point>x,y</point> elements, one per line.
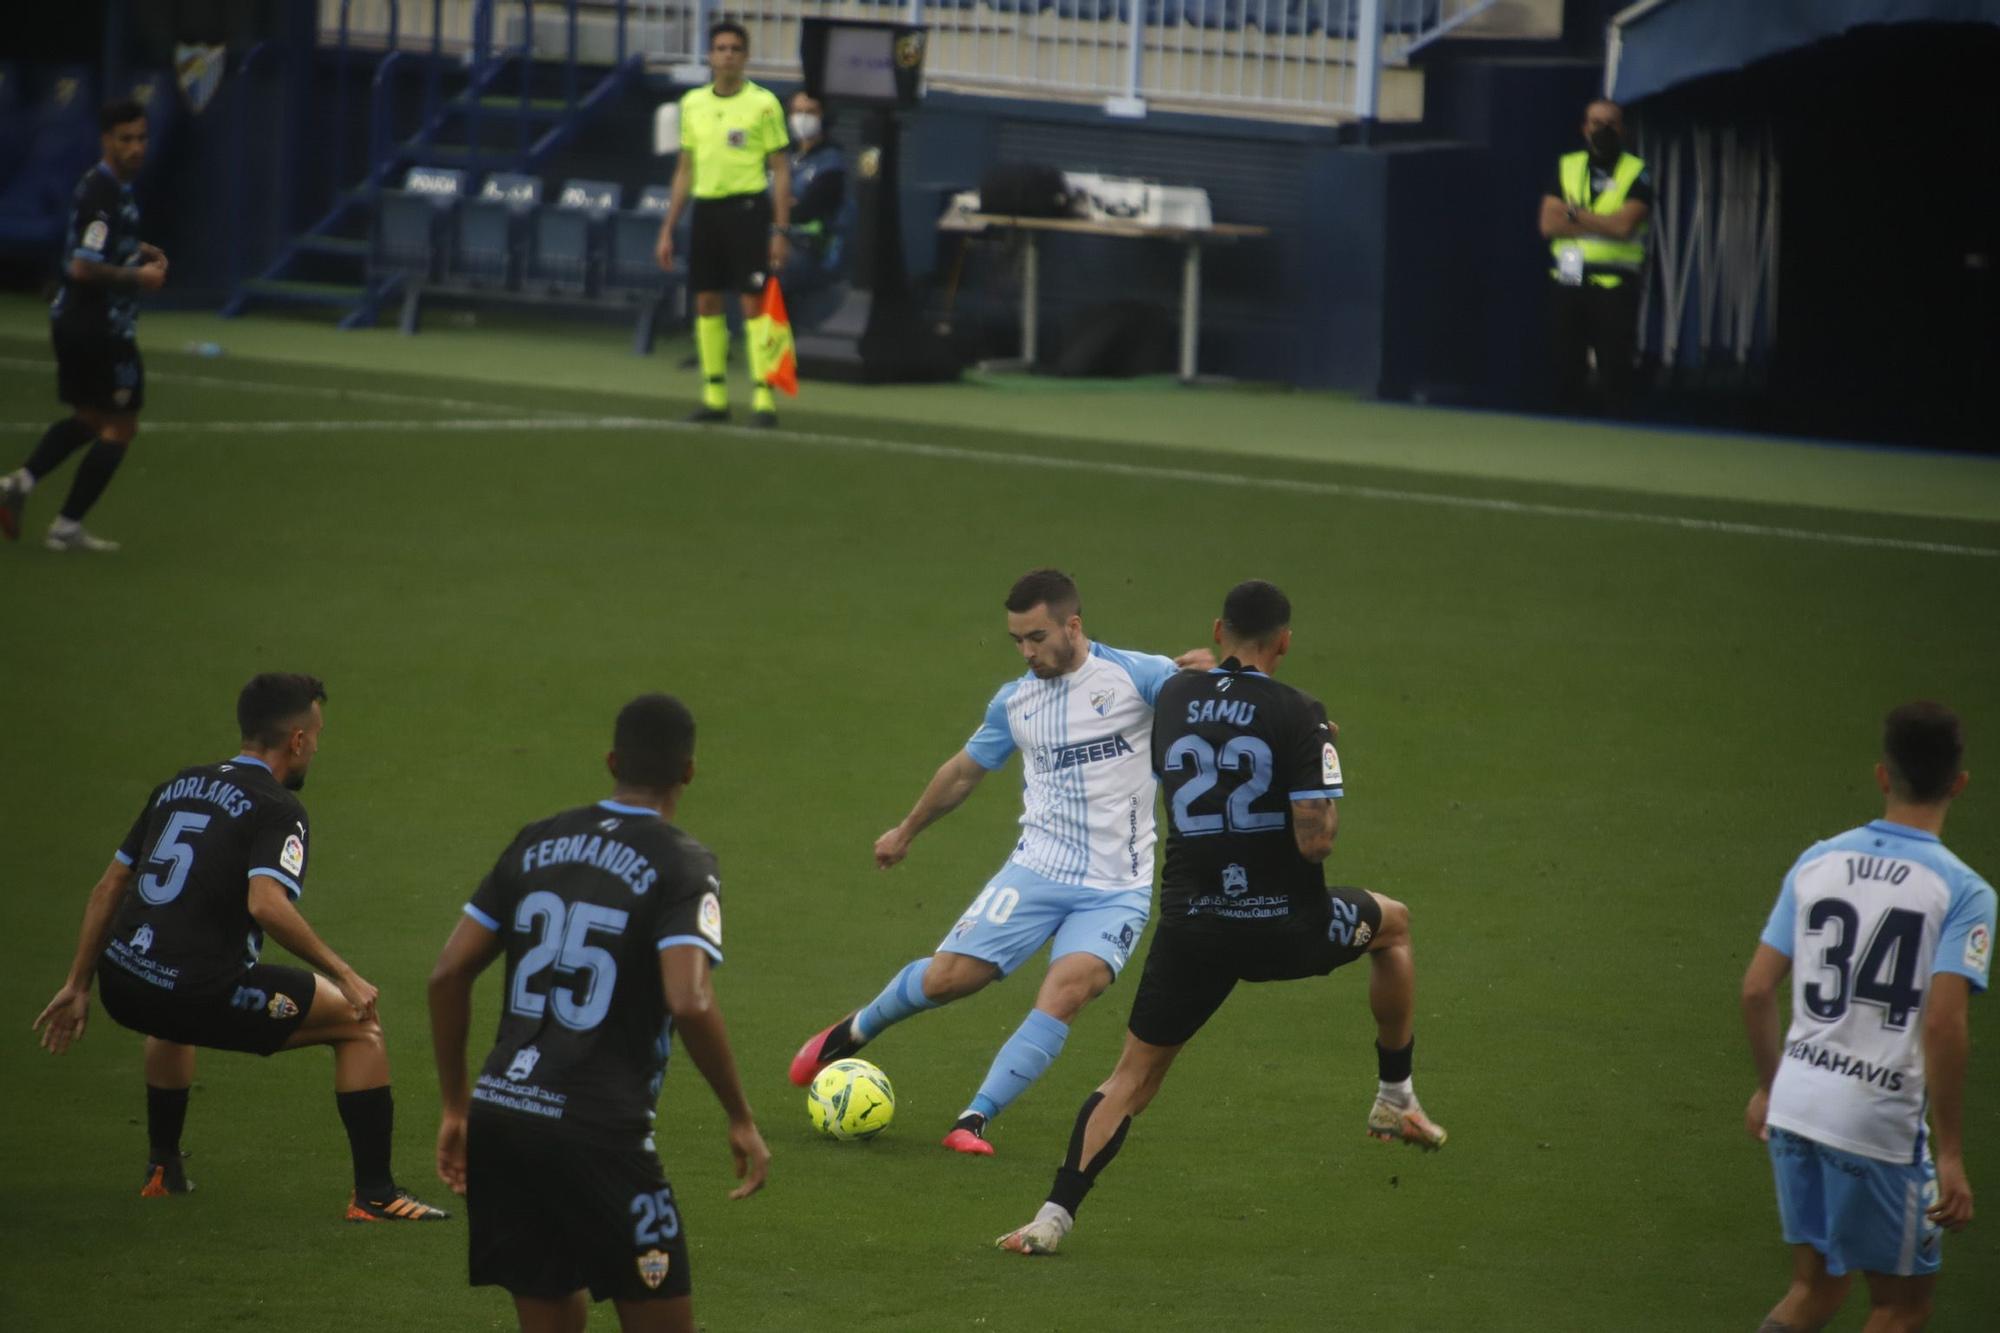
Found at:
<point>804,127</point>
<point>1604,141</point>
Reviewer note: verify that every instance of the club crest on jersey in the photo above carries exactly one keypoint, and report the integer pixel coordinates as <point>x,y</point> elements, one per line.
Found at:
<point>293,859</point>
<point>1362,934</point>
<point>653,1266</point>
<point>281,1007</point>
<point>142,939</point>
<point>523,1063</point>
<point>1102,700</point>
<point>1235,880</point>
<point>1978,947</point>
<point>709,919</point>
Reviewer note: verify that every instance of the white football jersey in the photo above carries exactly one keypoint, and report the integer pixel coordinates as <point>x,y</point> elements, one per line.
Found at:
<point>1868,918</point>
<point>1086,743</point>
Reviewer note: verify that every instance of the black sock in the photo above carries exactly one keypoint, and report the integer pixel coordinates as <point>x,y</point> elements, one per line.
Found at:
<point>1074,1177</point>
<point>92,476</point>
<point>1394,1066</point>
<point>166,1113</point>
<point>58,443</point>
<point>370,1117</point>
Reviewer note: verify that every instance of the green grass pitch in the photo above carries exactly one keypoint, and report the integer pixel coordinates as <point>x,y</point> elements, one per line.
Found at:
<point>1583,746</point>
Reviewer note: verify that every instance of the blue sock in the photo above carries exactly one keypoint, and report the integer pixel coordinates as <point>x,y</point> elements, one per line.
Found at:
<point>903,996</point>
<point>1025,1058</point>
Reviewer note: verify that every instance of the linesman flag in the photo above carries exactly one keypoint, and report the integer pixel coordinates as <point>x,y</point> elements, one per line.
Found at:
<point>781,362</point>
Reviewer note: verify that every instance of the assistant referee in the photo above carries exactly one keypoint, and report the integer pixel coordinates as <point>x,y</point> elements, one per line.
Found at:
<point>732,133</point>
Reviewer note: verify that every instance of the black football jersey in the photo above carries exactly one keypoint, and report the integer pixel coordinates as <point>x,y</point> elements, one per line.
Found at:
<point>585,902</point>
<point>1233,749</point>
<point>186,924</point>
<point>104,229</point>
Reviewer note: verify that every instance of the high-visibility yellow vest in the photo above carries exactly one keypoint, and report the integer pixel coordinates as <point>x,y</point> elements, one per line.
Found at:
<point>1604,259</point>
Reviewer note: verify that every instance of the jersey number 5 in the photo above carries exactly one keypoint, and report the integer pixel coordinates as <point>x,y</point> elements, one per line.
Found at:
<point>173,856</point>
<point>564,930</point>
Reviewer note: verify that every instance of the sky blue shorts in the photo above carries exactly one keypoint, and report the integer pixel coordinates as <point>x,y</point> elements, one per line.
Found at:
<point>1863,1214</point>
<point>1019,911</point>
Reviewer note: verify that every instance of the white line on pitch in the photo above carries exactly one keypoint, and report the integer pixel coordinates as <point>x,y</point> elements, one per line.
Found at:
<point>1100,467</point>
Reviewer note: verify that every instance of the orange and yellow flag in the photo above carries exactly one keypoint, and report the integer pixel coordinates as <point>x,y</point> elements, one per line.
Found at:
<point>779,353</point>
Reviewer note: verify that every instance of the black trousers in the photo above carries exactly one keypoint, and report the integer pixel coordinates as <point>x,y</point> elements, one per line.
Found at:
<point>1600,319</point>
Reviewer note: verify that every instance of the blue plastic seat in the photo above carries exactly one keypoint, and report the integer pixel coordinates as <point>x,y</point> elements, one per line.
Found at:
<point>488,238</point>
<point>62,143</point>
<point>564,246</point>
<point>630,239</point>
<point>410,223</point>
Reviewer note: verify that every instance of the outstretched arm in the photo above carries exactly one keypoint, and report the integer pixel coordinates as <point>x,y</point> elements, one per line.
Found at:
<point>470,950</point>
<point>691,1000</point>
<point>62,1020</point>
<point>1767,971</point>
<point>946,791</point>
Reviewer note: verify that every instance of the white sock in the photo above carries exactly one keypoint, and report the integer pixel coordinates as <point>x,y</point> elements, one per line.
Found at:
<point>24,480</point>
<point>1055,1212</point>
<point>1397,1094</point>
<point>65,526</point>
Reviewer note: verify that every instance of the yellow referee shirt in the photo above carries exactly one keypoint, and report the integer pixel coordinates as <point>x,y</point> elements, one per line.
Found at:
<point>730,138</point>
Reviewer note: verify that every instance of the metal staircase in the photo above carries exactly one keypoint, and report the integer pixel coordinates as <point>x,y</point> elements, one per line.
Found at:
<point>514,110</point>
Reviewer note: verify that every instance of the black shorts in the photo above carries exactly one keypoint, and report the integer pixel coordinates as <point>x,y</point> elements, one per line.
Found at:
<point>257,1013</point>
<point>551,1211</point>
<point>99,371</point>
<point>729,245</point>
<point>1190,972</point>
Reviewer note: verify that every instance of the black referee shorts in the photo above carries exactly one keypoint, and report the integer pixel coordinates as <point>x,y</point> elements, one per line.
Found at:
<point>257,1013</point>
<point>96,370</point>
<point>1190,972</point>
<point>551,1211</point>
<point>730,244</point>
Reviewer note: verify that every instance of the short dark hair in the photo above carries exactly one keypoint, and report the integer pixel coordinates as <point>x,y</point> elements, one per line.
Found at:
<point>273,699</point>
<point>653,739</point>
<point>1255,610</point>
<point>1923,747</point>
<point>1050,587</point>
<point>122,111</point>
<point>729,25</point>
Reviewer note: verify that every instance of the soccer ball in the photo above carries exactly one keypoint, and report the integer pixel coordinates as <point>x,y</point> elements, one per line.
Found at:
<point>851,1099</point>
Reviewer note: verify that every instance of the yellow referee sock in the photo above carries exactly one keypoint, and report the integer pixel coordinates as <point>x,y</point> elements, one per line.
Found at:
<point>711,340</point>
<point>757,337</point>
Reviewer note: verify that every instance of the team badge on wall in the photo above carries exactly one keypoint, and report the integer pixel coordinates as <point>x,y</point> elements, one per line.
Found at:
<point>909,49</point>
<point>653,1266</point>
<point>199,70</point>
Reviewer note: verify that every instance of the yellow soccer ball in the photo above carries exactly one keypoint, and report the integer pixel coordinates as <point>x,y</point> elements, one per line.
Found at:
<point>851,1099</point>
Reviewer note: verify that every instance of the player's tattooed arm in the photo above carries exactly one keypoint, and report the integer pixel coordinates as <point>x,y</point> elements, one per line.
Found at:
<point>945,792</point>
<point>63,1019</point>
<point>1314,825</point>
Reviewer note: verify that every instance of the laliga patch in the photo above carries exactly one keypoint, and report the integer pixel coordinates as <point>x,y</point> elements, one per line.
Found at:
<point>1329,765</point>
<point>293,859</point>
<point>95,235</point>
<point>709,919</point>
<point>281,1006</point>
<point>1978,947</point>
<point>653,1266</point>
